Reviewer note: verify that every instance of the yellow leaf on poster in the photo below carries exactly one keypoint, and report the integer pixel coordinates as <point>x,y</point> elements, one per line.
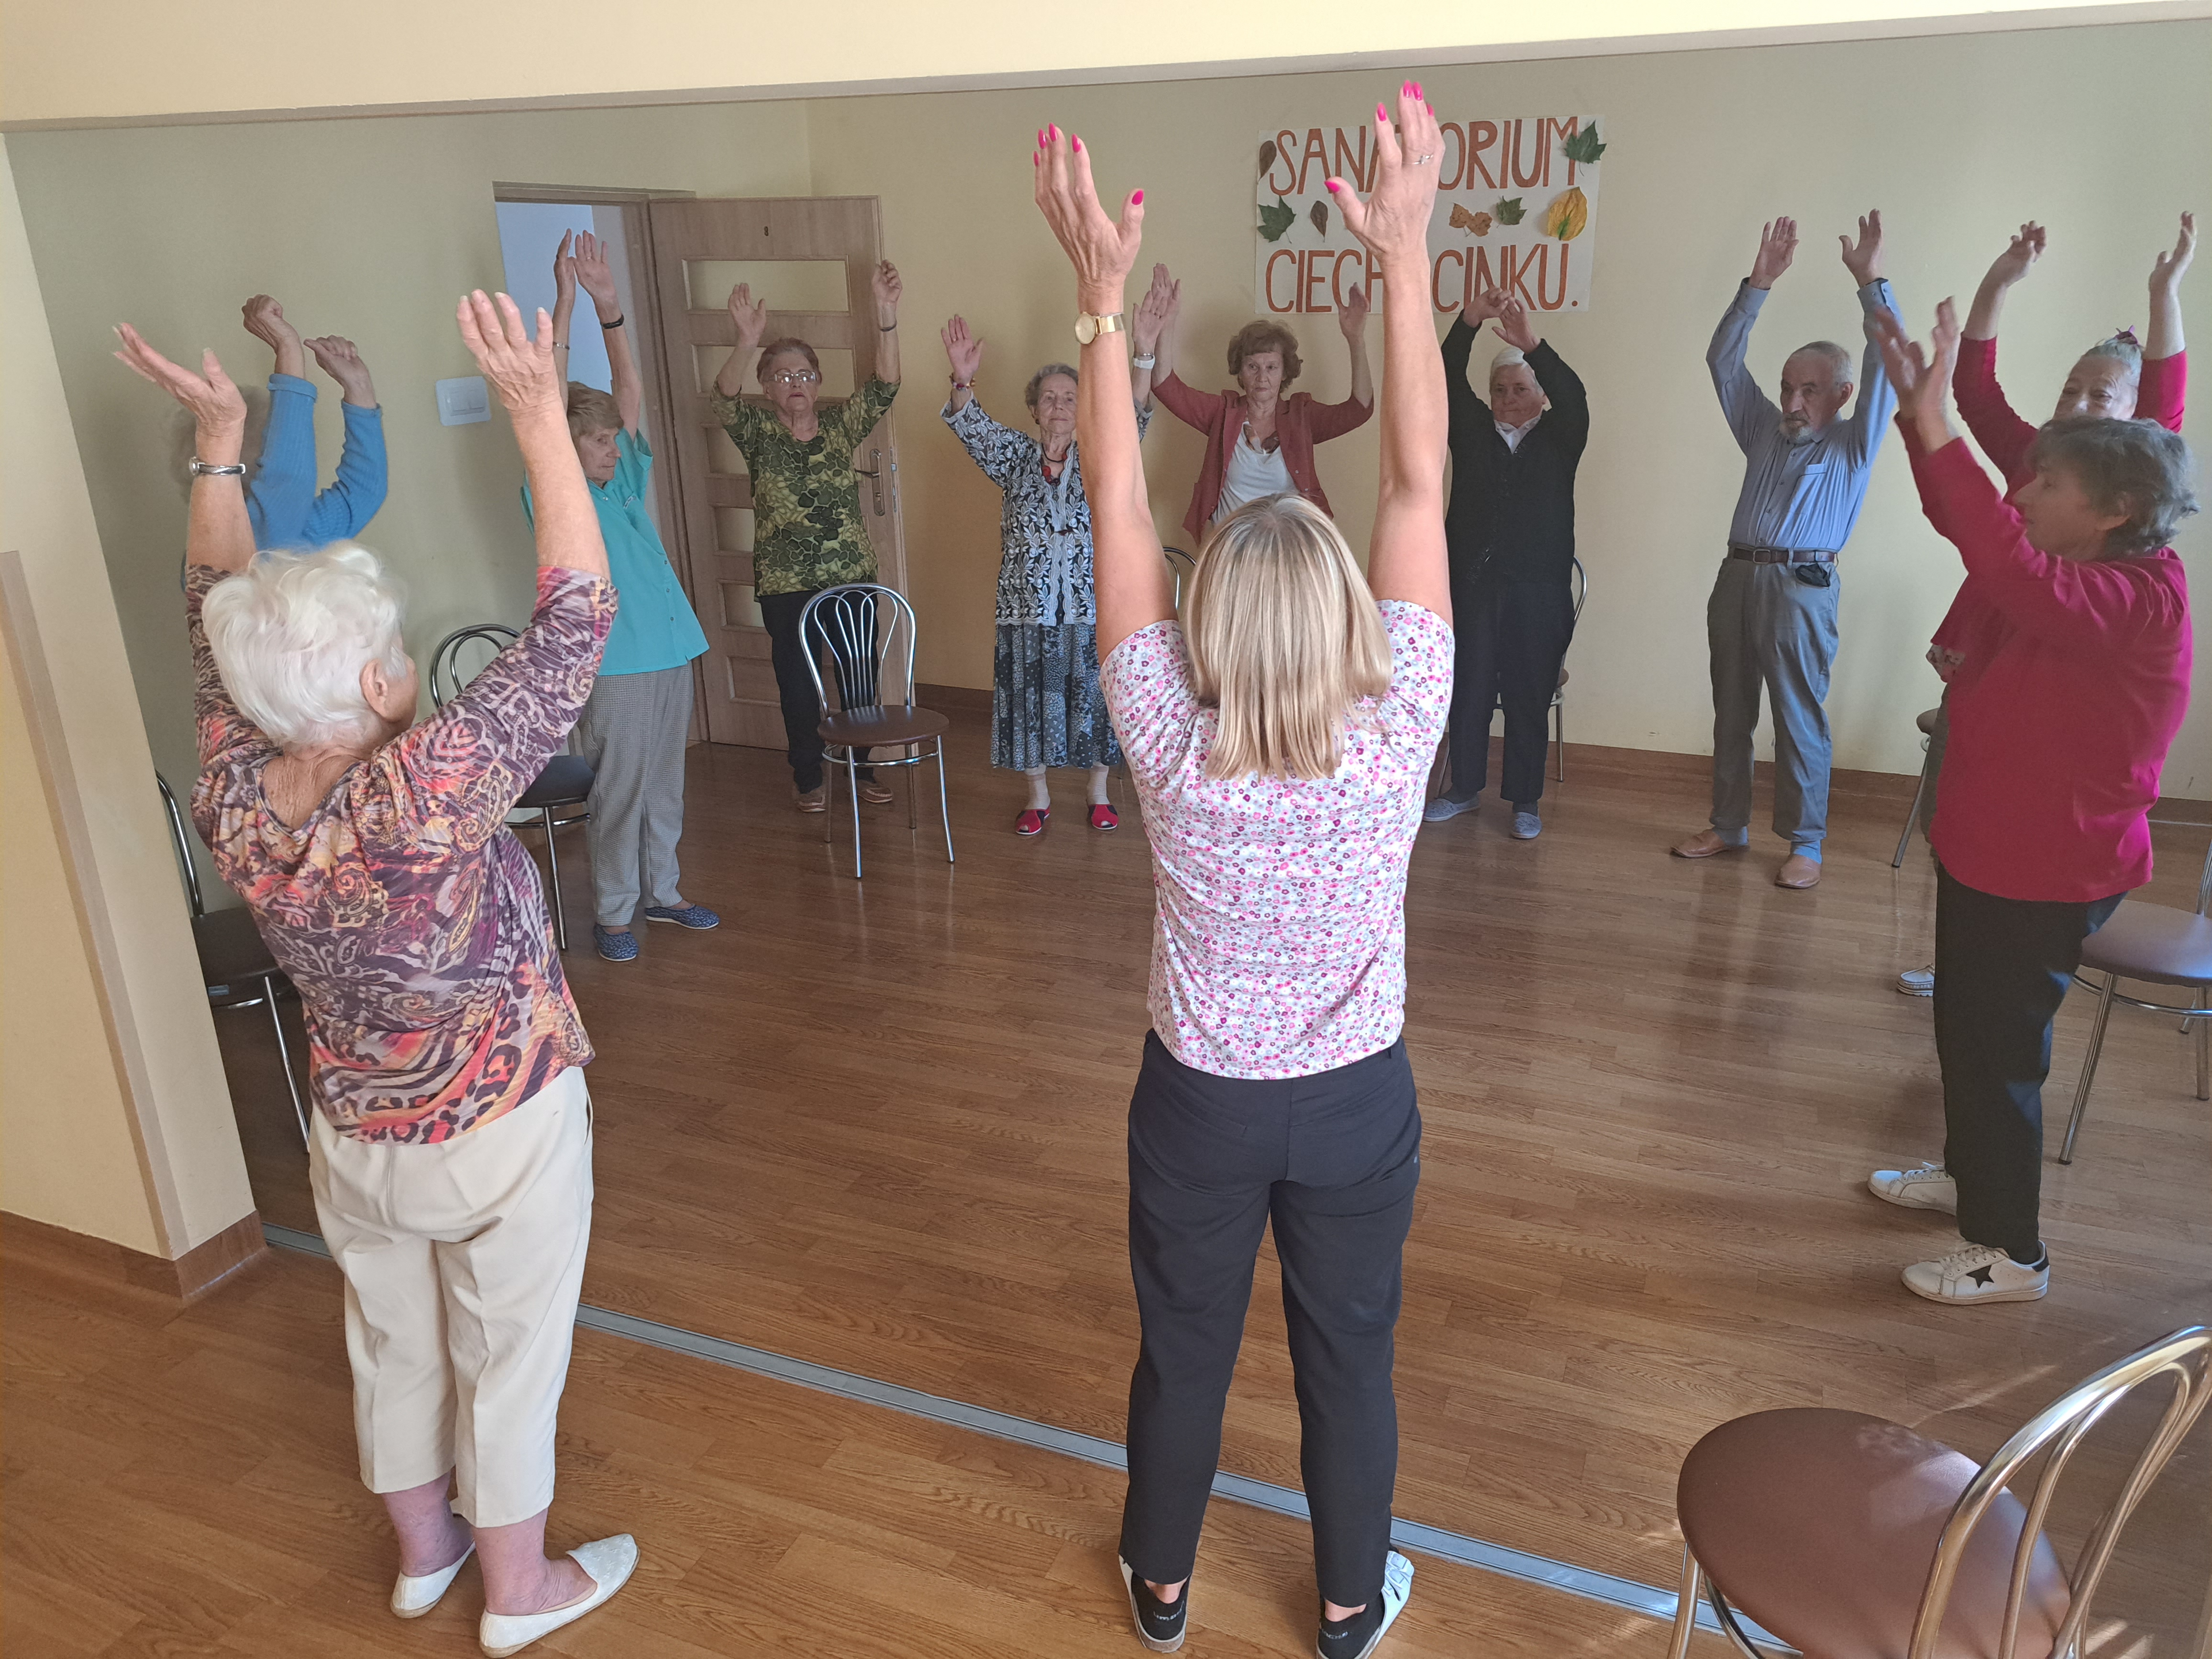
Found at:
<point>1568,217</point>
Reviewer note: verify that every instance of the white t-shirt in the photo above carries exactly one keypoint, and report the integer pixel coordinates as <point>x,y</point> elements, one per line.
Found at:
<point>1279,948</point>
<point>1253,473</point>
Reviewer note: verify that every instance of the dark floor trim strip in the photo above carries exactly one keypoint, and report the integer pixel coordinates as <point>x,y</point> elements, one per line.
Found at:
<point>1623,1593</point>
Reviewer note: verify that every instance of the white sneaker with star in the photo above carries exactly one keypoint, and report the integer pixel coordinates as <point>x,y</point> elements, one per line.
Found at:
<point>1975,1274</point>
<point>1930,1187</point>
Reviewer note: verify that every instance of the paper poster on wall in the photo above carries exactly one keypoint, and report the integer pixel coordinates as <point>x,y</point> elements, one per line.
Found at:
<point>1516,208</point>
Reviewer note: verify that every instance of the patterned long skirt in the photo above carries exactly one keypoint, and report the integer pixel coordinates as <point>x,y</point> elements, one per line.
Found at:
<point>1046,706</point>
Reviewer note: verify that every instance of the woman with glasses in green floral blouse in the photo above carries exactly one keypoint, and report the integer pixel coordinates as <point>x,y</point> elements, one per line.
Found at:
<point>807,530</point>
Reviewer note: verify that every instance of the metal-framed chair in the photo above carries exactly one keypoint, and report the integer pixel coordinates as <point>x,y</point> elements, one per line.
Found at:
<point>1851,1537</point>
<point>1581,580</point>
<point>2154,945</point>
<point>1925,719</point>
<point>849,621</point>
<point>566,780</point>
<point>235,965</point>
<point>1180,568</point>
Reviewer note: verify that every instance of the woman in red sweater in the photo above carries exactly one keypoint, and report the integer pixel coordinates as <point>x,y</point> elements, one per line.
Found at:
<point>2073,639</point>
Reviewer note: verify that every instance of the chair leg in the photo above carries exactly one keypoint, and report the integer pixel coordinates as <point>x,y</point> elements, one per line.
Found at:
<point>285,1055</point>
<point>829,796</point>
<point>2204,1045</point>
<point>1559,740</point>
<point>2089,1065</point>
<point>944,802</point>
<point>1911,817</point>
<point>853,788</point>
<point>912,754</point>
<point>553,867</point>
<point>1685,1607</point>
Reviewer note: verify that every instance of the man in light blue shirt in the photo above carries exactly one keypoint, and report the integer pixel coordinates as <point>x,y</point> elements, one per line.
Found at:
<point>637,721</point>
<point>1772,619</point>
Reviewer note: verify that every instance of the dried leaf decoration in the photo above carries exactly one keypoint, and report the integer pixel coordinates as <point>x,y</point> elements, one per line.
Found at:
<point>1319,214</point>
<point>1267,154</point>
<point>1568,217</point>
<point>1510,210</point>
<point>1477,223</point>
<point>1274,221</point>
<point>1582,146</point>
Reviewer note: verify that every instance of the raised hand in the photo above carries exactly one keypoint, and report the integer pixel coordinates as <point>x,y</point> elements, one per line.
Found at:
<point>964,351</point>
<point>1778,246</point>
<point>2019,256</point>
<point>265,321</point>
<point>748,316</point>
<point>1351,316</point>
<point>889,290</point>
<point>1483,305</point>
<point>520,367</point>
<point>564,268</point>
<point>341,361</point>
<point>1862,259</point>
<point>216,405</point>
<point>2168,270</point>
<point>592,272</point>
<point>1921,376</point>
<point>1513,326</point>
<point>1393,223</point>
<point>1103,250</point>
<point>1155,312</point>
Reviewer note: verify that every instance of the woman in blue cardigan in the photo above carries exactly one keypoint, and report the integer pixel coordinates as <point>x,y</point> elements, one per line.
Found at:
<point>283,503</point>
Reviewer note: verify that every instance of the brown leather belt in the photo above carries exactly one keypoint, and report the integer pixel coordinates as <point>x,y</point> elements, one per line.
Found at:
<point>1779,554</point>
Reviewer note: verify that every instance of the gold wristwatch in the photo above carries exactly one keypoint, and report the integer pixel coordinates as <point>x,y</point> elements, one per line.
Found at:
<point>1089,325</point>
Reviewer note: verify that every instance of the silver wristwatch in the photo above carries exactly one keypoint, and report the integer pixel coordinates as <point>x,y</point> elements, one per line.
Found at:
<point>1144,361</point>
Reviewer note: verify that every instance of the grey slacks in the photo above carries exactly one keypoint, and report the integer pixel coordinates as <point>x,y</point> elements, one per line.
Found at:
<point>633,731</point>
<point>1765,628</point>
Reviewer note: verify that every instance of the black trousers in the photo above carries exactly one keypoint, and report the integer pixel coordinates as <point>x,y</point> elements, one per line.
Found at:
<point>795,687</point>
<point>1333,1160</point>
<point>1512,638</point>
<point>2001,969</point>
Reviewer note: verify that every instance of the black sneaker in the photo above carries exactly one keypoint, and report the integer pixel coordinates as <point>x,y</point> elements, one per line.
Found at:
<point>1357,1636</point>
<point>1160,1624</point>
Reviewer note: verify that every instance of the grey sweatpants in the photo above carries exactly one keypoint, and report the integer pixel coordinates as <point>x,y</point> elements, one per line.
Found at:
<point>1765,628</point>
<point>633,733</point>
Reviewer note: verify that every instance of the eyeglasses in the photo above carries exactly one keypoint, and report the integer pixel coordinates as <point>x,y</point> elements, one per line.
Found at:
<point>794,377</point>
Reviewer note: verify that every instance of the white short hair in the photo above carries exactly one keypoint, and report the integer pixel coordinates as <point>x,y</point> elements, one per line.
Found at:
<point>291,633</point>
<point>1511,357</point>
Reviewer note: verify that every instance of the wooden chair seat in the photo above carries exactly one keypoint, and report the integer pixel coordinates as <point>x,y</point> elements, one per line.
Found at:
<point>1821,1525</point>
<point>866,728</point>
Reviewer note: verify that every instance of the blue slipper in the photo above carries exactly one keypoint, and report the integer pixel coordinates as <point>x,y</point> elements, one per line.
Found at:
<point>615,943</point>
<point>697,917</point>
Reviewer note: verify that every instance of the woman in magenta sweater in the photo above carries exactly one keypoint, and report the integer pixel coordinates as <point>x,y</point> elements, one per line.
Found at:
<point>2073,639</point>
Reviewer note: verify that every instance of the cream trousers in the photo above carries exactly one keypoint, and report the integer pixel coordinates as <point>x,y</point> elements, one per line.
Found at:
<point>463,1262</point>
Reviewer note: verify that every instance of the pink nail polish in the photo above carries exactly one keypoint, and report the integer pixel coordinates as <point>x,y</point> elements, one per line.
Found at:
<point>1079,144</point>
<point>1139,198</point>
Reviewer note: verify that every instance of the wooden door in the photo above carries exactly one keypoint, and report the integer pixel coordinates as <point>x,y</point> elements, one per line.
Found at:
<point>813,259</point>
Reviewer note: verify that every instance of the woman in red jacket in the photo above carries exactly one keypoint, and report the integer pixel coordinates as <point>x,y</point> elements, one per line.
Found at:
<point>1260,438</point>
<point>2073,676</point>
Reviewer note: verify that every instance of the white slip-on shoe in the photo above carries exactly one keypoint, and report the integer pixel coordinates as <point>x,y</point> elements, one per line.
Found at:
<point>1397,1588</point>
<point>607,1562</point>
<point>1918,982</point>
<point>1930,1187</point>
<point>1160,1627</point>
<point>1979,1273</point>
<point>413,1597</point>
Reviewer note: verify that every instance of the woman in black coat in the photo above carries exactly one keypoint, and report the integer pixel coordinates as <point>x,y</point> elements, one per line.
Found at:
<point>1510,527</point>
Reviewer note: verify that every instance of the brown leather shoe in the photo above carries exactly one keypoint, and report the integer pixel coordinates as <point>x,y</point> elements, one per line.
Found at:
<point>1705,844</point>
<point>811,800</point>
<point>874,794</point>
<point>1799,872</point>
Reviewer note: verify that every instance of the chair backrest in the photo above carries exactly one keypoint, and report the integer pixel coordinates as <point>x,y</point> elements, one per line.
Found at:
<point>2204,885</point>
<point>446,679</point>
<point>2187,1357</point>
<point>1581,582</point>
<point>183,845</point>
<point>1181,565</point>
<point>865,626</point>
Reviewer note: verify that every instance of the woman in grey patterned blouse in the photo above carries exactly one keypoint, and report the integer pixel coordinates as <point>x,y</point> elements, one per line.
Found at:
<point>1046,709</point>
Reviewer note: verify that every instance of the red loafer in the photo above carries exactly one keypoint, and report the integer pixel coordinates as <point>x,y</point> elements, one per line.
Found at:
<point>1033,820</point>
<point>1102,817</point>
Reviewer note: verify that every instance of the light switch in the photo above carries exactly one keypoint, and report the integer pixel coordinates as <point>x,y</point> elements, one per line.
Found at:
<point>463,401</point>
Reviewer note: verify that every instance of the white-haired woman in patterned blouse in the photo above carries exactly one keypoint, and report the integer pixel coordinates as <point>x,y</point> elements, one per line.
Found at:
<point>1046,708</point>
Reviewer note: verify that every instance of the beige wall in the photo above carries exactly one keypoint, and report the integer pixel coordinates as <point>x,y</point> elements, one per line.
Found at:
<point>370,228</point>
<point>112,1103</point>
<point>1956,139</point>
<point>106,59</point>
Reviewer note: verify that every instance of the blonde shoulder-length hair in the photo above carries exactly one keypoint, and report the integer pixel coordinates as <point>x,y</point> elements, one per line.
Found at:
<point>1283,639</point>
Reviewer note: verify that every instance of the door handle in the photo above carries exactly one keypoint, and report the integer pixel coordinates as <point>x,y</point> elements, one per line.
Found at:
<point>875,477</point>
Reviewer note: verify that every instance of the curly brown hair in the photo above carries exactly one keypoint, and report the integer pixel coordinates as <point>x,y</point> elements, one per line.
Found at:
<point>776,349</point>
<point>1255,337</point>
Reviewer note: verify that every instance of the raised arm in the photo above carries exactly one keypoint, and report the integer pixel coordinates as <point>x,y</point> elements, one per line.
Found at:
<point>750,317</point>
<point>1877,399</point>
<point>2164,335</point>
<point>1469,407</point>
<point>220,536</point>
<point>564,302</point>
<point>1406,556</point>
<point>887,290</point>
<point>964,351</point>
<point>596,277</point>
<point>343,509</point>
<point>2015,262</point>
<point>1748,409</point>
<point>1352,320</point>
<point>1129,570</point>
<point>1149,333</point>
<point>520,370</point>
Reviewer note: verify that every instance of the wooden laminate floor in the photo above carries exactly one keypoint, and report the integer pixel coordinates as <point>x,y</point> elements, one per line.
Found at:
<point>878,1126</point>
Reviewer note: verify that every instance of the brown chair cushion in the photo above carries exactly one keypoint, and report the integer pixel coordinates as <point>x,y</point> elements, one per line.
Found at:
<point>1821,1525</point>
<point>566,781</point>
<point>2152,942</point>
<point>1926,718</point>
<point>230,947</point>
<point>866,727</point>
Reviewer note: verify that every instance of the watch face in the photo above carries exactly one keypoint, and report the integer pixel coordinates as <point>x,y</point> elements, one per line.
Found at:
<point>1086,329</point>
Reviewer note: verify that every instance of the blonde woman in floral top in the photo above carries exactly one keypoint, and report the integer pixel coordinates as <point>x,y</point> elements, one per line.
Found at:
<point>807,530</point>
<point>1280,738</point>
<point>451,1158</point>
